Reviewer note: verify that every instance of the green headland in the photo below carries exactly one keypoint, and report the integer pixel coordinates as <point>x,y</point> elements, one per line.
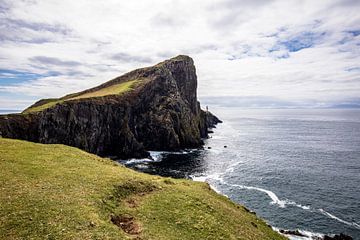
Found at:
<point>60,192</point>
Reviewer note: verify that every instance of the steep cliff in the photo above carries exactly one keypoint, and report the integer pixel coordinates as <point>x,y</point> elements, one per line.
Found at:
<point>152,108</point>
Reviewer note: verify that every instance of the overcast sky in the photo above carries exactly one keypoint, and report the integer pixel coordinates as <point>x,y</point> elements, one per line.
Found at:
<point>255,52</point>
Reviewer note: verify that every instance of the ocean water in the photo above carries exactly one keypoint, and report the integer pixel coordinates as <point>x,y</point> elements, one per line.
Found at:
<point>297,169</point>
<point>2,111</point>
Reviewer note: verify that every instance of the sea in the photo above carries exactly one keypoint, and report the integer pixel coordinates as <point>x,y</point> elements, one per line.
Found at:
<point>6,111</point>
<point>299,169</point>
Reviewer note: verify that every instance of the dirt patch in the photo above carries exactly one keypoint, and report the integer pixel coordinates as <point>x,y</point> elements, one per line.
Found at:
<point>134,188</point>
<point>127,224</point>
<point>132,203</point>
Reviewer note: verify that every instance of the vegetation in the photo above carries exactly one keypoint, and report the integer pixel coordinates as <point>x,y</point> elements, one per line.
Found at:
<point>41,107</point>
<point>114,89</point>
<point>60,192</point>
<point>111,90</point>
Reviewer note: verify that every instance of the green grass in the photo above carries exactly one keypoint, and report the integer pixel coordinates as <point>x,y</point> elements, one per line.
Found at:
<point>111,90</point>
<point>43,106</point>
<point>60,192</point>
<point>115,89</point>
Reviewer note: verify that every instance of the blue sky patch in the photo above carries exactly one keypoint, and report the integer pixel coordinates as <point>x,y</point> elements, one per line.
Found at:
<point>355,33</point>
<point>9,77</point>
<point>299,42</point>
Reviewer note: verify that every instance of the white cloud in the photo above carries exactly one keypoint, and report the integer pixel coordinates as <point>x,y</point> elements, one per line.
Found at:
<point>240,48</point>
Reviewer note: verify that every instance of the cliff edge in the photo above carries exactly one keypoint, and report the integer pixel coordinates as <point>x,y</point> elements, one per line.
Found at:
<point>153,108</point>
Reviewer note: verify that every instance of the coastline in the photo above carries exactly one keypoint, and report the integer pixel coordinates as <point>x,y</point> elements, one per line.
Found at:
<point>210,179</point>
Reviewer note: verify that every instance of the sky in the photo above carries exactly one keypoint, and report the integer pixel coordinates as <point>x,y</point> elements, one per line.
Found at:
<point>249,53</point>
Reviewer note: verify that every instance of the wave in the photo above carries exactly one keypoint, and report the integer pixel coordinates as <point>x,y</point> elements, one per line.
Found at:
<point>282,203</point>
<point>353,224</point>
<point>274,198</point>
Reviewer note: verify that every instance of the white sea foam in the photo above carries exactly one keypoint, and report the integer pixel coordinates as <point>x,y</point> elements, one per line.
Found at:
<point>157,155</point>
<point>353,224</point>
<point>308,235</point>
<point>208,178</point>
<point>198,178</point>
<point>136,161</point>
<point>272,195</point>
<point>231,167</point>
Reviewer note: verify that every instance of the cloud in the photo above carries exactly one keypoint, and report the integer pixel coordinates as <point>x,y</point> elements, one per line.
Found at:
<point>230,12</point>
<point>18,30</point>
<point>291,51</point>
<point>124,57</point>
<point>166,20</point>
<point>53,61</point>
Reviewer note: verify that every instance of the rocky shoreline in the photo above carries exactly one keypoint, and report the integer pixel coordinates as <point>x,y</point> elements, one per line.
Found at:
<point>298,233</point>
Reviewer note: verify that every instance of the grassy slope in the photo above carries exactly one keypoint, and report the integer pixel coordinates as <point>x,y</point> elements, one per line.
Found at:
<point>60,192</point>
<point>111,90</point>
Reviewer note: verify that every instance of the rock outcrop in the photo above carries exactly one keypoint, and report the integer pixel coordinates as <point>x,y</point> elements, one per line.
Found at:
<point>158,111</point>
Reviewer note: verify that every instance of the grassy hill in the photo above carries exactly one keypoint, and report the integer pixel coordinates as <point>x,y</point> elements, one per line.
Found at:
<point>60,192</point>
<point>101,91</point>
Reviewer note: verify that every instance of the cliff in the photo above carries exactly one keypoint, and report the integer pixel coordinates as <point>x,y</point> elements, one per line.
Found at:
<point>152,108</point>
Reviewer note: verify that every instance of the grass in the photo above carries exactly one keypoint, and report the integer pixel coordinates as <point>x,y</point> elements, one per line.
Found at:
<point>115,89</point>
<point>60,192</point>
<point>44,106</point>
<point>111,90</point>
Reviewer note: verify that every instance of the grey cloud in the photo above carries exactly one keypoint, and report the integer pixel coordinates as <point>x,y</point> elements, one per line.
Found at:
<point>234,12</point>
<point>4,6</point>
<point>54,61</point>
<point>166,20</point>
<point>232,4</point>
<point>18,30</point>
<point>125,57</point>
<point>200,49</point>
<point>345,3</point>
<point>36,26</point>
<point>166,54</point>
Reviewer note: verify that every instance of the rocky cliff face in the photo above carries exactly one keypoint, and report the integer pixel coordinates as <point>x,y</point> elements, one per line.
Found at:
<point>160,112</point>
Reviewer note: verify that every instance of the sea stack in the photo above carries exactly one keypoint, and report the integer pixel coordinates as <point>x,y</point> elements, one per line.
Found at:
<point>153,108</point>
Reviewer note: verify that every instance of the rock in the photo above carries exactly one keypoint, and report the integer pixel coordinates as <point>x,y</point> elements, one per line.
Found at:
<point>225,146</point>
<point>338,237</point>
<point>161,113</point>
<point>209,147</point>
<point>293,232</point>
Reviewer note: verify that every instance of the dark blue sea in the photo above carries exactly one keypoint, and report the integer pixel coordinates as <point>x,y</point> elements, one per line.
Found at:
<point>8,111</point>
<point>297,169</point>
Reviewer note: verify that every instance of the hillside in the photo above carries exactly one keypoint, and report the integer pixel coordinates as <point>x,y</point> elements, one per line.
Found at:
<point>153,108</point>
<point>59,192</point>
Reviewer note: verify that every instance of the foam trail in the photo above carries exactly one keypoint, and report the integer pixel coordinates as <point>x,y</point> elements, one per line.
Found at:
<point>353,224</point>
<point>274,198</point>
<point>137,161</point>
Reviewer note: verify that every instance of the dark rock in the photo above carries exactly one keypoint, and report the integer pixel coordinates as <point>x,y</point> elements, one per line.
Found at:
<point>209,147</point>
<point>338,237</point>
<point>225,146</point>
<point>293,232</point>
<point>161,114</point>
